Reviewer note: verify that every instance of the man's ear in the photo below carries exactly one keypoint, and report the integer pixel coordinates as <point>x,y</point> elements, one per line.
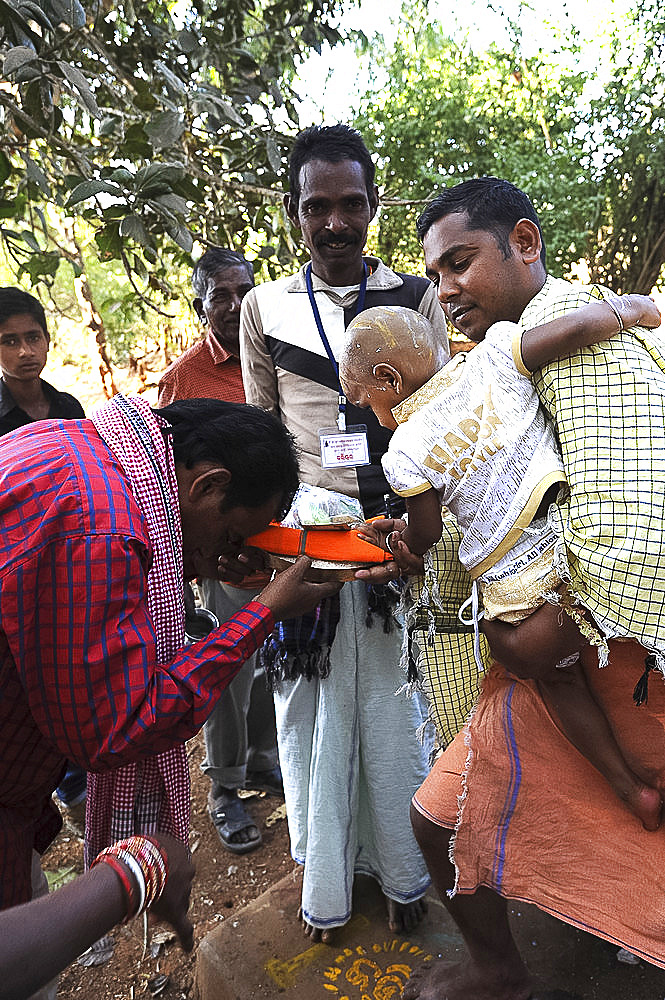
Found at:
<point>291,206</point>
<point>526,239</point>
<point>388,376</point>
<point>198,309</point>
<point>203,485</point>
<point>374,201</point>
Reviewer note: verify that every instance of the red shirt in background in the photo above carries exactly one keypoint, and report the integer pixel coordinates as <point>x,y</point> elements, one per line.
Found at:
<point>204,371</point>
<point>207,371</point>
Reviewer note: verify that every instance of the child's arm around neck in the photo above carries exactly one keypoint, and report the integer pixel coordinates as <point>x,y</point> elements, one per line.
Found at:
<point>590,324</point>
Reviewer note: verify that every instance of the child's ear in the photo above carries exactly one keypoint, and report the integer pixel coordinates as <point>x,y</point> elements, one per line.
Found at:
<point>388,377</point>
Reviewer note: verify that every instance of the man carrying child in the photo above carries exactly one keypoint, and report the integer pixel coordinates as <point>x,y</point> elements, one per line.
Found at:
<point>536,821</point>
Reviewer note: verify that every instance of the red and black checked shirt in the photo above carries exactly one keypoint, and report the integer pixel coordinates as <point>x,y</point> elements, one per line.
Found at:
<point>204,371</point>
<point>78,672</point>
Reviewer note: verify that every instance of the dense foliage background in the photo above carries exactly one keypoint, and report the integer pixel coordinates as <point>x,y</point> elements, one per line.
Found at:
<point>587,144</point>
<point>135,133</point>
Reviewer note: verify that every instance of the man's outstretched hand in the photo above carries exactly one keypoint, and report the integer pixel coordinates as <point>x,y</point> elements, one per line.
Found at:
<point>173,904</point>
<point>290,595</point>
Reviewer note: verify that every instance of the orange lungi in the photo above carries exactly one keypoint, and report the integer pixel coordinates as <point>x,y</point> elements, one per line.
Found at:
<point>540,824</point>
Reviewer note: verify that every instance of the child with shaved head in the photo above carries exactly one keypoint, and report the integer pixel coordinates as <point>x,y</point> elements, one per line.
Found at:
<point>470,435</point>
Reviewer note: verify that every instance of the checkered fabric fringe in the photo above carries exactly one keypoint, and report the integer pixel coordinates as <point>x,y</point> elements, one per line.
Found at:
<point>154,794</point>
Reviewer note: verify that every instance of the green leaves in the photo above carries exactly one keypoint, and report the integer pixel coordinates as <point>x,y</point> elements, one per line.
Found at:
<point>41,266</point>
<point>69,12</point>
<point>179,234</point>
<point>35,174</point>
<point>593,168</point>
<point>5,167</point>
<point>132,228</point>
<point>165,129</point>
<point>18,57</point>
<point>450,112</point>
<point>151,133</point>
<point>81,87</point>
<point>88,189</point>
<point>158,178</point>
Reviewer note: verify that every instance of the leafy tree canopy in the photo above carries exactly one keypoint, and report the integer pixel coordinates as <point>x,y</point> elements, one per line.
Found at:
<point>155,122</point>
<point>441,112</point>
<point>627,240</point>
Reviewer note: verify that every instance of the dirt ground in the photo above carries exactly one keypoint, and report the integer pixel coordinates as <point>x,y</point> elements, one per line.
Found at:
<point>224,883</point>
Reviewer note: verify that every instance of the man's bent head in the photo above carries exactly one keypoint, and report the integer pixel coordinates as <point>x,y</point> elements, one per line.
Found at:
<point>484,251</point>
<point>489,203</point>
<point>237,469</point>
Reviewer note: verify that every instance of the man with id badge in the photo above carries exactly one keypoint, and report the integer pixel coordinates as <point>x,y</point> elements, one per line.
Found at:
<point>341,728</point>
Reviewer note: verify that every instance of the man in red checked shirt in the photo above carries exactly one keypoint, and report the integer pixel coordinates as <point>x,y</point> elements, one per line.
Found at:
<point>101,521</point>
<point>240,735</point>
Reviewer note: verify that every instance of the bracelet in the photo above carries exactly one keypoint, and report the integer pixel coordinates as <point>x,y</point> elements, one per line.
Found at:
<point>150,853</point>
<point>616,312</point>
<point>136,871</point>
<point>146,861</point>
<point>120,868</point>
<point>389,543</point>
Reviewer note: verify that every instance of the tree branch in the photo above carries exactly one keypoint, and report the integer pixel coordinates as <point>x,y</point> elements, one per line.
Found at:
<point>137,290</point>
<point>62,147</point>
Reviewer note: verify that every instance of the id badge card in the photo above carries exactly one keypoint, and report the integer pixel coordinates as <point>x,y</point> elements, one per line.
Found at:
<point>341,449</point>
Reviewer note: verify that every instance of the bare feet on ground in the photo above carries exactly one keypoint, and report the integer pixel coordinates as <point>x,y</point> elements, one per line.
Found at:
<point>445,981</point>
<point>403,917</point>
<point>316,934</point>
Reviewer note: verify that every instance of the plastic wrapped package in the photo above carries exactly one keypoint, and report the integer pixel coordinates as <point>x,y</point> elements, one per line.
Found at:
<point>314,507</point>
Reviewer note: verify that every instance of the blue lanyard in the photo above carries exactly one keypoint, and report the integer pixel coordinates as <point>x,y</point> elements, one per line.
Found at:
<point>360,305</point>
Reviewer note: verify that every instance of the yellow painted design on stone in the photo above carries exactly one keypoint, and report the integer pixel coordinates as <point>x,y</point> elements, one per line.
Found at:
<point>365,978</point>
<point>285,973</point>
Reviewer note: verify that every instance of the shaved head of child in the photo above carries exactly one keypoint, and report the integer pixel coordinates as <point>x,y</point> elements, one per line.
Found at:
<point>389,352</point>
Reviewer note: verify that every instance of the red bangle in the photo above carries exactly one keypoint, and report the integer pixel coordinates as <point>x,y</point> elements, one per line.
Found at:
<point>146,861</point>
<point>125,878</point>
<point>161,851</point>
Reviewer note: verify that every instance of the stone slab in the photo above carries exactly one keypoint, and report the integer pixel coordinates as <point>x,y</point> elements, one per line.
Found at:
<point>261,952</point>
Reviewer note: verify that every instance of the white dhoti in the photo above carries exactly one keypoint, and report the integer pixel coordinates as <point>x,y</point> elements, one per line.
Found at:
<point>351,761</point>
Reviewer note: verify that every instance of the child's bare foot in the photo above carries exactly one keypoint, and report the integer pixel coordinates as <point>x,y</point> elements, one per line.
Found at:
<point>646,803</point>
<point>403,917</point>
<point>316,934</point>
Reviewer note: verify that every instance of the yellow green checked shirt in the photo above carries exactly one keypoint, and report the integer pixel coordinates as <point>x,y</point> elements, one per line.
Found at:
<point>608,406</point>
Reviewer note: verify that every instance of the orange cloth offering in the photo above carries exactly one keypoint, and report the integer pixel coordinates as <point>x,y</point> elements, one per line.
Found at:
<point>334,548</point>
